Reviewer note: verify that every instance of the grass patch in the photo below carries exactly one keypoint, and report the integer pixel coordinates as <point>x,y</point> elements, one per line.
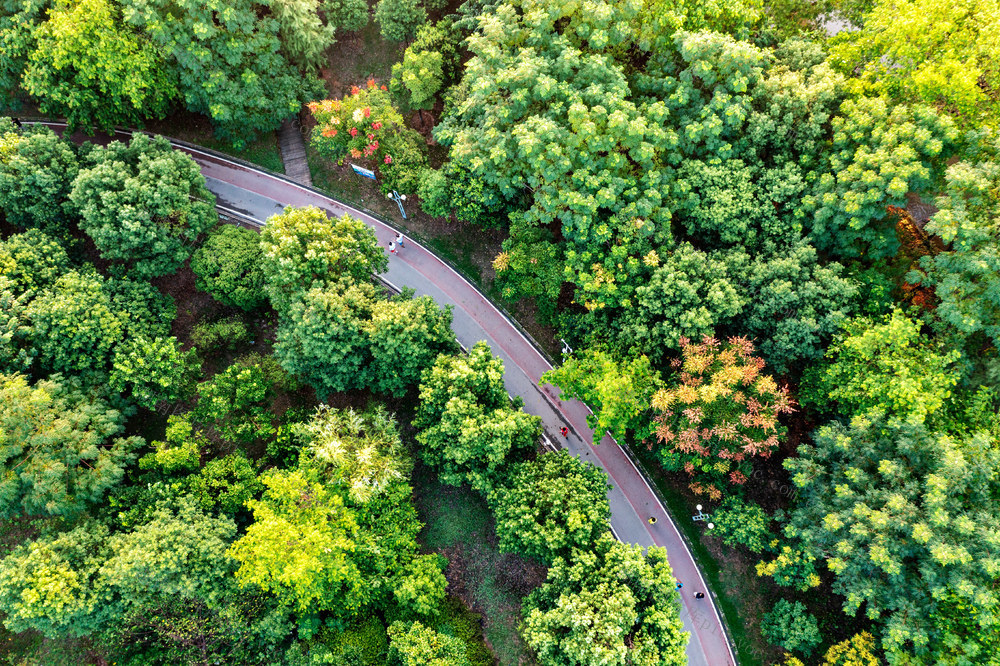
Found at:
<point>459,525</point>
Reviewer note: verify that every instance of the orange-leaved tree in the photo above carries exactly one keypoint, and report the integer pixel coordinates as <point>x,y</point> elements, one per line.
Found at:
<point>721,413</point>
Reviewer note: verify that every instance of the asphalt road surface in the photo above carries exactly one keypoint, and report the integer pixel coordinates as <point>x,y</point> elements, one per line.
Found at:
<point>246,192</point>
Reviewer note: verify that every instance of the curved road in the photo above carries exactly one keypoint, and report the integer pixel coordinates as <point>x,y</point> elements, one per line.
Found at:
<point>252,194</point>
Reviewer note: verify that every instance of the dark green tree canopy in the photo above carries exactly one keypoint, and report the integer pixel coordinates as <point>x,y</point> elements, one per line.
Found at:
<point>143,204</point>
<point>228,266</point>
<point>551,505</point>
<point>60,448</point>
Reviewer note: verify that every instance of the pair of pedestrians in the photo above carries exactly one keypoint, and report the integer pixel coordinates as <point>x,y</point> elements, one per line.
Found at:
<point>397,245</point>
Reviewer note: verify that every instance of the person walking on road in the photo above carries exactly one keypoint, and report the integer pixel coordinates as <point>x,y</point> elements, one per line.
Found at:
<point>400,239</point>
<point>679,585</point>
<point>652,520</point>
<point>699,595</point>
<point>392,248</point>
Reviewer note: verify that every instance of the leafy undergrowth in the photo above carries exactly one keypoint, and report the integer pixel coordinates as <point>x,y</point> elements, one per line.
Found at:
<point>458,524</point>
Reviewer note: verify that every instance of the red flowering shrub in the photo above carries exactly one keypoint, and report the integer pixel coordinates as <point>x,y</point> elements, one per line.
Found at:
<point>721,414</point>
<point>356,125</point>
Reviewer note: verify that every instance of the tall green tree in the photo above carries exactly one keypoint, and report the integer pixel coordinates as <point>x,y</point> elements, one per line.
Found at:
<point>887,365</point>
<point>688,296</point>
<point>95,70</point>
<point>467,428</point>
<point>609,604</point>
<point>303,248</point>
<point>792,304</point>
<point>360,451</point>
<point>151,370</point>
<point>551,505</point>
<point>896,512</point>
<point>304,35</point>
<point>414,644</point>
<point>74,326</point>
<point>322,338</point>
<point>399,20</point>
<point>406,335</point>
<point>228,266</point>
<point>299,547</point>
<point>618,391</point>
<point>937,53</point>
<point>15,348</point>
<point>879,153</point>
<point>60,448</point>
<point>966,277</point>
<point>37,170</point>
<point>226,56</point>
<point>51,585</point>
<point>32,260</point>
<point>236,402</point>
<point>143,204</point>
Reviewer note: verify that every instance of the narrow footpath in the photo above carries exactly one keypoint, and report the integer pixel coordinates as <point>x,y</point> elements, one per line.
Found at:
<point>245,192</point>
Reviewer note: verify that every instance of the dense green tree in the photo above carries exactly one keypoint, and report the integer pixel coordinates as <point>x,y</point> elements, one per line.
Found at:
<point>90,67</point>
<point>609,604</point>
<point>413,644</point>
<point>395,577</point>
<point>225,484</point>
<point>406,335</point>
<point>407,152</point>
<point>32,260</point>
<point>179,450</point>
<point>236,402</point>
<point>303,248</point>
<point>792,627</point>
<point>15,349</point>
<point>551,505</point>
<point>37,170</point>
<point>966,277</point>
<point>420,75</point>
<point>322,338</point>
<point>792,305</point>
<point>421,587</point>
<point>879,153</point>
<point>468,430</point>
<point>73,326</point>
<point>618,391</point>
<point>399,20</point>
<point>143,309</point>
<point>434,193</point>
<point>299,547</point>
<point>19,22</point>
<point>228,266</point>
<point>304,35</point>
<point>180,551</point>
<point>688,296</point>
<point>884,364</point>
<point>858,650</point>
<point>51,585</point>
<point>143,203</point>
<point>347,15</point>
<point>896,512</point>
<point>929,51</point>
<point>60,449</point>
<point>360,451</point>
<point>742,523</point>
<point>227,59</point>
<point>151,370</point>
